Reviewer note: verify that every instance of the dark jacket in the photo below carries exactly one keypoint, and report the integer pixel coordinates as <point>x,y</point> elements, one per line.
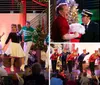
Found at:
<point>92,33</point>
<point>81,57</point>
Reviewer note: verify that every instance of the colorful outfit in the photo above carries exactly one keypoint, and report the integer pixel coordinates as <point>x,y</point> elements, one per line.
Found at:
<point>70,60</point>
<point>92,59</point>
<point>14,49</point>
<point>30,36</point>
<point>59,28</point>
<point>80,60</point>
<point>54,60</point>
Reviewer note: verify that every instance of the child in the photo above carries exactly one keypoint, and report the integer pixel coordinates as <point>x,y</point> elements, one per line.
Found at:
<point>14,49</point>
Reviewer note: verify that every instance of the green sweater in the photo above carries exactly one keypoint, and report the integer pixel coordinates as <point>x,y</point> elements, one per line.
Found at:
<point>30,34</point>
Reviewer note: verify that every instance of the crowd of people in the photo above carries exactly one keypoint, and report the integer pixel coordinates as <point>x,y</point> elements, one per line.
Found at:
<point>71,59</point>
<point>64,65</point>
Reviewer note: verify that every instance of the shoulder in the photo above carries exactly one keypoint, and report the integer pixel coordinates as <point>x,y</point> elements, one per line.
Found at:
<point>94,23</point>
<point>32,29</point>
<point>23,27</point>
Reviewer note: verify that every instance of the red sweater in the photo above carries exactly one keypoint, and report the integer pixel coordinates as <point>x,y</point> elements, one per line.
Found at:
<point>59,28</point>
<point>93,57</point>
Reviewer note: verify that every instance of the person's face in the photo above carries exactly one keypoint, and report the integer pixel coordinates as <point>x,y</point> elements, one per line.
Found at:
<point>64,11</point>
<point>85,19</point>
<point>84,51</point>
<point>27,25</point>
<point>13,29</point>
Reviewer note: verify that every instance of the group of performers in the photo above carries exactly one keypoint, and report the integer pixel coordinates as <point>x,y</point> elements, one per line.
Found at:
<point>69,59</point>
<point>14,49</point>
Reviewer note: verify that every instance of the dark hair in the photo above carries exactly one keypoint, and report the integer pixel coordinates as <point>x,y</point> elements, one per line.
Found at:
<point>60,8</point>
<point>36,68</point>
<point>13,25</point>
<point>19,27</point>
<point>28,22</point>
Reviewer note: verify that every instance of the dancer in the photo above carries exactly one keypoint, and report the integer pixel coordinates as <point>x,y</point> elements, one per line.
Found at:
<point>92,59</point>
<point>70,60</point>
<point>53,58</point>
<point>14,49</point>
<point>81,58</point>
<point>30,37</point>
<point>64,56</point>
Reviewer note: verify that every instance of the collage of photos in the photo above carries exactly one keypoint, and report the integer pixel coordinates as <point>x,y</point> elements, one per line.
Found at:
<point>49,42</point>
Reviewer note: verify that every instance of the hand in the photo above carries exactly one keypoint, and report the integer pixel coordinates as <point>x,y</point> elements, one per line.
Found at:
<point>76,34</point>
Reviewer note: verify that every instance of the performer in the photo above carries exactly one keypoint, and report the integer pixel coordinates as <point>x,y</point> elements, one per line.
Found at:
<point>92,59</point>
<point>70,60</point>
<point>53,58</point>
<point>64,55</point>
<point>30,37</point>
<point>60,27</point>
<point>92,33</point>
<point>14,49</point>
<point>81,58</point>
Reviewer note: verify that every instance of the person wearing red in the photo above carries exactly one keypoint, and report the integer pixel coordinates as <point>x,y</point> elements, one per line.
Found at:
<point>53,58</point>
<point>60,27</point>
<point>92,59</point>
<point>70,60</point>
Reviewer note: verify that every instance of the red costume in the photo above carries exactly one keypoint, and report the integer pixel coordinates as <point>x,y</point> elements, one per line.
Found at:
<point>59,28</point>
<point>93,57</point>
<point>54,56</point>
<point>72,56</point>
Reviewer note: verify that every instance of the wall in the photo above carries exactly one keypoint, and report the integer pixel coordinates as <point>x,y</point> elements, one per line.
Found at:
<point>6,19</point>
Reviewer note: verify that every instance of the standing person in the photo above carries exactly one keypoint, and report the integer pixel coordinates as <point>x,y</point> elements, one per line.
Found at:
<point>30,37</point>
<point>81,58</point>
<point>53,58</point>
<point>60,27</point>
<point>64,55</point>
<point>70,60</point>
<point>14,49</point>
<point>91,28</point>
<point>92,59</point>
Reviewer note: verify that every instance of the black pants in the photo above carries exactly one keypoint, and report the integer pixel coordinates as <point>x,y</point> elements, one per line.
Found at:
<point>64,65</point>
<point>92,66</point>
<point>80,66</point>
<point>70,65</point>
<point>54,62</point>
